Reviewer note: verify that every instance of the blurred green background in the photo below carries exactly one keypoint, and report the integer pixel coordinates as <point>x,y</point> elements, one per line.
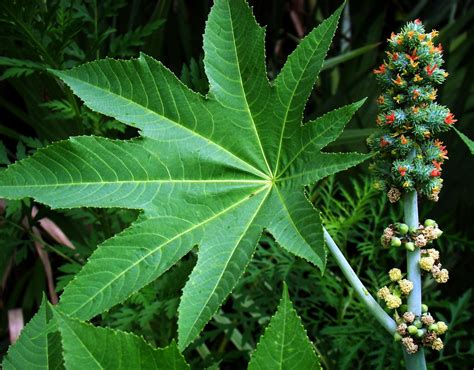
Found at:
<point>36,109</point>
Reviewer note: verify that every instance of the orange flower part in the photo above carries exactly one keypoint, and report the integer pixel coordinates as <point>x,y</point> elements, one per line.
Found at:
<point>403,140</point>
<point>415,109</point>
<point>430,71</point>
<point>437,165</point>
<point>389,119</point>
<point>416,94</point>
<point>395,56</point>
<point>421,36</point>
<point>417,78</point>
<point>392,36</point>
<point>410,34</point>
<point>432,95</point>
<point>381,99</point>
<point>442,149</point>
<point>434,34</point>
<point>399,81</point>
<point>402,170</point>
<point>381,70</point>
<point>449,119</point>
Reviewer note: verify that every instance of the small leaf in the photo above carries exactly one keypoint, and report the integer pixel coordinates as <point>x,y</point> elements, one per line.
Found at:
<point>467,141</point>
<point>284,345</point>
<point>89,347</point>
<point>38,347</point>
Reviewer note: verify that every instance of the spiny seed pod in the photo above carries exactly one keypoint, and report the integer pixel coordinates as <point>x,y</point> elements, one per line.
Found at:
<point>410,157</point>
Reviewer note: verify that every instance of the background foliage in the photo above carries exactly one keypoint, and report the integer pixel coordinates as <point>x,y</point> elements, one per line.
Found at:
<point>37,109</point>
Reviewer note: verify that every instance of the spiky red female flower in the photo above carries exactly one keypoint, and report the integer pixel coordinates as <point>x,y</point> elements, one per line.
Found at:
<point>435,173</point>
<point>430,70</point>
<point>389,119</point>
<point>449,119</point>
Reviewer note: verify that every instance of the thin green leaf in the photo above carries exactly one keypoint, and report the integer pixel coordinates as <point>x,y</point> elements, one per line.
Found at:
<point>343,58</point>
<point>467,141</point>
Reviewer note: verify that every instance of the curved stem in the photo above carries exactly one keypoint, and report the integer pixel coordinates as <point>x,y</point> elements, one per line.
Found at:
<point>410,206</point>
<point>374,308</point>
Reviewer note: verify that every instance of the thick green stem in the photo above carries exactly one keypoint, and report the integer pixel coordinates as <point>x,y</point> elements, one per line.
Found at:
<point>374,308</point>
<point>410,204</point>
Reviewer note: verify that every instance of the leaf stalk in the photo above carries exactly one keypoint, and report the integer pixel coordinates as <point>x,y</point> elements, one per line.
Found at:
<point>374,308</point>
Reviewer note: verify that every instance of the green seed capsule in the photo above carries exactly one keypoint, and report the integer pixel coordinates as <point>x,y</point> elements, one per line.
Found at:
<point>403,308</point>
<point>403,228</point>
<point>424,308</point>
<point>397,337</point>
<point>420,333</point>
<point>433,327</point>
<point>412,329</point>
<point>410,246</point>
<point>395,242</point>
<point>418,324</point>
<point>430,222</point>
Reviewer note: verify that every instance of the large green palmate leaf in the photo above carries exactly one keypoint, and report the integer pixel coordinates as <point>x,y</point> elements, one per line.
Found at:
<point>212,171</point>
<point>284,345</point>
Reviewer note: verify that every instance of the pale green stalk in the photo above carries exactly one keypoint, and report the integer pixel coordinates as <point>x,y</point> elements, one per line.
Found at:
<point>410,206</point>
<point>374,308</point>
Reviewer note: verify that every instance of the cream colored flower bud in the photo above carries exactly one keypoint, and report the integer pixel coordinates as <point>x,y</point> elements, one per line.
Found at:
<point>427,263</point>
<point>402,328</point>
<point>420,241</point>
<point>410,345</point>
<point>394,195</point>
<point>442,277</point>
<point>433,253</point>
<point>406,286</point>
<point>395,274</point>
<point>427,320</point>
<point>409,317</point>
<point>442,327</point>
<point>383,293</point>
<point>393,301</point>
<point>437,344</point>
